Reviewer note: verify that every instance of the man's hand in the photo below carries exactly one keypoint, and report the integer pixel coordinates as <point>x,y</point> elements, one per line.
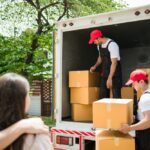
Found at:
<point>125,128</point>
<point>93,68</point>
<point>34,126</point>
<point>109,83</point>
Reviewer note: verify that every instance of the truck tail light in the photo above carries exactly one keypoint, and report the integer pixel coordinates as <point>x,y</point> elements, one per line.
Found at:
<point>64,140</point>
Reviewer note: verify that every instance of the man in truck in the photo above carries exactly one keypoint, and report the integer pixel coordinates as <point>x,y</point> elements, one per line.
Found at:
<point>109,59</point>
<point>139,81</point>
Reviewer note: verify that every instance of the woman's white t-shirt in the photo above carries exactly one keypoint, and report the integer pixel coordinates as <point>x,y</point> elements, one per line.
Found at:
<point>37,142</point>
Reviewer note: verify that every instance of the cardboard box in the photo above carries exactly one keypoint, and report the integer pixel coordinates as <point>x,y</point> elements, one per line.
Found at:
<point>81,112</point>
<point>111,113</point>
<point>86,95</point>
<point>114,140</point>
<point>84,79</point>
<point>126,93</point>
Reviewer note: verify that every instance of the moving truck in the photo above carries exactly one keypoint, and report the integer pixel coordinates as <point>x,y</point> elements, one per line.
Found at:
<point>130,28</point>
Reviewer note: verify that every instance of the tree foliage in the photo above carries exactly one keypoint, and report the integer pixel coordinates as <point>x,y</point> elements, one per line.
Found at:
<point>26,47</point>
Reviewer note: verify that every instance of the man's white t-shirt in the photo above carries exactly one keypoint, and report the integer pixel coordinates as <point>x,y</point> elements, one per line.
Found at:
<point>113,49</point>
<point>144,104</point>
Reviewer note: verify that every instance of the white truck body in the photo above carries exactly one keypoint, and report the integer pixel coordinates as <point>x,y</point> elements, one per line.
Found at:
<point>130,27</point>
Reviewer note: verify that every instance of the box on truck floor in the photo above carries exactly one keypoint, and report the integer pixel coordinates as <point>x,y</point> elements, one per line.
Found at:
<point>81,112</point>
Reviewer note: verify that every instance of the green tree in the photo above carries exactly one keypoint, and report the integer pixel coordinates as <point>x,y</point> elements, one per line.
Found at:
<point>30,52</point>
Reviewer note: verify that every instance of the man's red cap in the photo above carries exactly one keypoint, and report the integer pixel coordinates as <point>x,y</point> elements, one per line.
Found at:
<point>137,75</point>
<point>94,35</point>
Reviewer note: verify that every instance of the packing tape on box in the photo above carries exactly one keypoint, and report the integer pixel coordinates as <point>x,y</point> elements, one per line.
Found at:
<point>108,107</point>
<point>116,141</point>
<point>78,84</point>
<point>109,123</point>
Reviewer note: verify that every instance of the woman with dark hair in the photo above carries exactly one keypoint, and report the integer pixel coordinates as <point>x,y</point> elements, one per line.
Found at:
<point>14,103</point>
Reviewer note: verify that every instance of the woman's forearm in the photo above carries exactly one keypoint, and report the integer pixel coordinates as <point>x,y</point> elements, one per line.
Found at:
<point>10,134</point>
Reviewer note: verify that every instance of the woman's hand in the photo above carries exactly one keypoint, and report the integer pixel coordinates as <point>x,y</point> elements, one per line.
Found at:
<point>34,126</point>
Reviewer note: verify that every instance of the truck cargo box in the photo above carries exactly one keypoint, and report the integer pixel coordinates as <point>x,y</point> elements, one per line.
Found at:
<point>130,28</point>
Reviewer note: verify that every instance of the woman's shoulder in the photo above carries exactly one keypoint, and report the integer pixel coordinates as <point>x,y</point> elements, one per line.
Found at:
<point>38,142</point>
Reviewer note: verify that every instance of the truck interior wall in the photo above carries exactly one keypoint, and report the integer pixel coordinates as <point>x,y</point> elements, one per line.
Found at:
<point>133,39</point>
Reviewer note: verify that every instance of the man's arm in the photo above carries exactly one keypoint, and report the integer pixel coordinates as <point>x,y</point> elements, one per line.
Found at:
<point>112,71</point>
<point>143,124</point>
<point>98,62</point>
<point>31,125</point>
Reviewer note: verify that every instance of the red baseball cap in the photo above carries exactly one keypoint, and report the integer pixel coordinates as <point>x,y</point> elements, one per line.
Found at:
<point>137,75</point>
<point>94,35</point>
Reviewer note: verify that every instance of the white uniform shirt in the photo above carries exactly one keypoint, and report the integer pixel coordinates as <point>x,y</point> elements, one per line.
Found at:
<point>113,49</point>
<point>144,104</point>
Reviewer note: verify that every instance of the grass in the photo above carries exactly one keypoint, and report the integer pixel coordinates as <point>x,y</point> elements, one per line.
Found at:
<point>48,121</point>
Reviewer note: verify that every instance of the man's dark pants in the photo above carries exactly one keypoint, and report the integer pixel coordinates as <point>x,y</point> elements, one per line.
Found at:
<point>116,88</point>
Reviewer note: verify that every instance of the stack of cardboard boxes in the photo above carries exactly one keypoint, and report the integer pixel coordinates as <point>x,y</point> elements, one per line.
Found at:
<point>84,90</point>
<point>105,113</point>
<point>111,114</point>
